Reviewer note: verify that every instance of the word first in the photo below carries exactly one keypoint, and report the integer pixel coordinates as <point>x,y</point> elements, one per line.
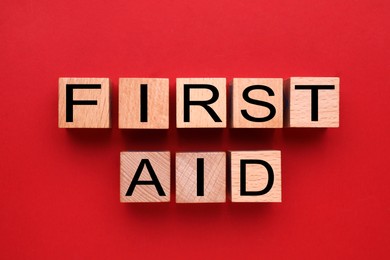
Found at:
<point>201,102</point>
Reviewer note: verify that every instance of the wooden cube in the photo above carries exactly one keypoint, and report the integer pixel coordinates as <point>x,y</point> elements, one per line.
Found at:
<point>257,103</point>
<point>200,177</point>
<point>256,176</point>
<point>84,103</point>
<point>201,103</point>
<point>143,103</point>
<point>145,177</point>
<point>312,102</point>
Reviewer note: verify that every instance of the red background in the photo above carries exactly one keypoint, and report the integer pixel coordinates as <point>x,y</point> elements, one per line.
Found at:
<point>59,189</point>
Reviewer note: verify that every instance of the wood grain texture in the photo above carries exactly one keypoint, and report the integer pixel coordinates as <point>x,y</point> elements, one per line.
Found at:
<point>157,103</point>
<point>298,108</point>
<point>214,177</point>
<point>85,116</point>
<point>256,176</point>
<point>160,161</point>
<point>199,117</point>
<point>238,102</point>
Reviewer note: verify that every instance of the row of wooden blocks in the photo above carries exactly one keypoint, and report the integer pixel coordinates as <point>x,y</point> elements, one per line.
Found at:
<point>201,102</point>
<point>255,176</point>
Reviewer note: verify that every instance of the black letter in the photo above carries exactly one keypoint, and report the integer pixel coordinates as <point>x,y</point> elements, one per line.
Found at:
<point>205,104</point>
<point>144,103</point>
<point>154,181</point>
<point>243,191</point>
<point>272,110</point>
<point>314,97</point>
<point>200,177</point>
<point>69,98</point>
